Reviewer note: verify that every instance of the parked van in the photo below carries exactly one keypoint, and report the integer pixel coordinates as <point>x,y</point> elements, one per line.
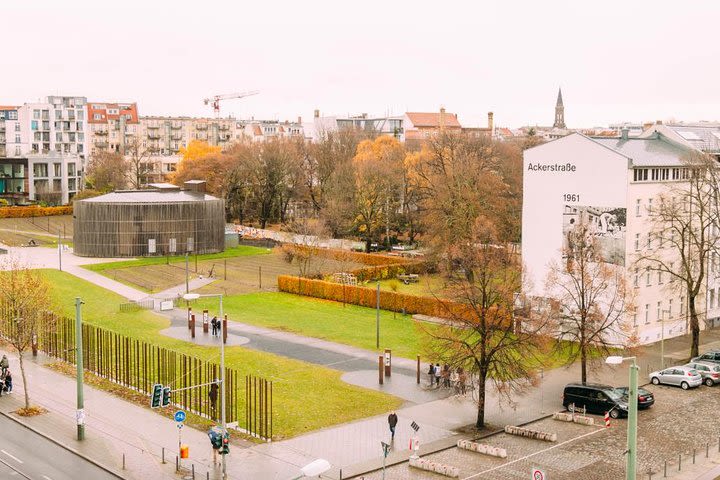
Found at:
<point>594,398</point>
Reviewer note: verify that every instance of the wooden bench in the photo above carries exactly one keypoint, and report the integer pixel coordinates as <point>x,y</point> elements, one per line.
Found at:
<point>409,278</point>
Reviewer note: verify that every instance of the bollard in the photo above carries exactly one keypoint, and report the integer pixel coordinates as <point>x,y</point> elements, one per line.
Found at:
<point>207,475</point>
<point>693,456</point>
<point>163,455</point>
<point>341,474</point>
<point>123,461</point>
<point>418,369</point>
<point>177,464</point>
<point>665,470</point>
<point>193,471</point>
<point>381,369</point>
<point>707,450</point>
<point>679,462</point>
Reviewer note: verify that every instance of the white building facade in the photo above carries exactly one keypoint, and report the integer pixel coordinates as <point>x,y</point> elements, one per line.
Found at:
<point>610,183</point>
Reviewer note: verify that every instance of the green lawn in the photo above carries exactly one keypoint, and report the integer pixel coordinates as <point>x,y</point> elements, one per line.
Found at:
<point>429,285</point>
<point>351,324</point>
<point>307,397</point>
<point>240,251</point>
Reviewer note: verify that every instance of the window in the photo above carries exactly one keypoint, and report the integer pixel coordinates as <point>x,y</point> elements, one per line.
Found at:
<point>638,203</point>
<point>17,138</point>
<point>34,124</point>
<point>649,240</point>
<point>36,114</point>
<point>17,127</point>
<point>682,306</point>
<point>712,298</point>
<point>58,169</point>
<point>80,115</point>
<point>40,170</point>
<point>647,276</point>
<point>71,169</point>
<point>637,242</point>
<point>637,277</point>
<point>670,308</point>
<point>17,151</point>
<point>58,114</point>
<point>660,279</point>
<point>12,115</point>
<point>649,207</point>
<point>634,319</point>
<point>659,311</point>
<point>58,136</point>
<point>647,313</point>
<point>97,116</point>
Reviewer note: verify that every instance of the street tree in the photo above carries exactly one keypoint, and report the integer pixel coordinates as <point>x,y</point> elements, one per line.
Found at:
<point>108,171</point>
<point>592,300</point>
<point>142,167</point>
<point>24,309</point>
<point>683,241</point>
<point>481,335</point>
<point>201,161</point>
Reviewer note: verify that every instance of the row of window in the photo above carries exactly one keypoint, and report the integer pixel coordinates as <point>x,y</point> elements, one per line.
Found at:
<point>660,174</point>
<point>71,114</point>
<point>41,169</point>
<point>660,313</point>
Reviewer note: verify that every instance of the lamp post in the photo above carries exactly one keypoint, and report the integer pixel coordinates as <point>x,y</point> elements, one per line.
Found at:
<point>631,466</point>
<point>223,426</point>
<point>80,412</point>
<point>662,337</point>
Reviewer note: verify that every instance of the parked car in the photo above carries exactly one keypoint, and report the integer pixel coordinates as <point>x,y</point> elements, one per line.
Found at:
<point>682,376</point>
<point>595,398</point>
<point>711,356</point>
<point>645,397</point>
<point>710,372</point>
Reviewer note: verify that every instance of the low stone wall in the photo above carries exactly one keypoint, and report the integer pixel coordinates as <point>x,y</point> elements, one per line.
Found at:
<point>437,467</point>
<point>534,434</point>
<point>482,448</point>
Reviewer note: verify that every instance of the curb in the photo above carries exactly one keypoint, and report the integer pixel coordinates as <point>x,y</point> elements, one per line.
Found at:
<point>60,444</point>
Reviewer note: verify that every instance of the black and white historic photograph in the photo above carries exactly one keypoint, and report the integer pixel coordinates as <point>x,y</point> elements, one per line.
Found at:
<point>606,224</point>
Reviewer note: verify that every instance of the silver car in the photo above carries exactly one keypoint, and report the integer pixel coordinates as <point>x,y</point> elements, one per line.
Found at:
<point>682,376</point>
<point>710,372</point>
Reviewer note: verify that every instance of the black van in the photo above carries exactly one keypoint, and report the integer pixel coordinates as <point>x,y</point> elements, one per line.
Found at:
<point>595,398</point>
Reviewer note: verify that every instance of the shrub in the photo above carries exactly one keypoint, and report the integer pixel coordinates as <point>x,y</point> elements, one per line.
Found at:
<point>33,211</point>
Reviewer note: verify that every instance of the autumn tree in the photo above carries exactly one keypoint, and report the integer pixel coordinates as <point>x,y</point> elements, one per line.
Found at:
<point>108,171</point>
<point>24,307</point>
<point>683,241</point>
<point>592,297</point>
<point>483,337</point>
<point>201,161</point>
<point>378,172</point>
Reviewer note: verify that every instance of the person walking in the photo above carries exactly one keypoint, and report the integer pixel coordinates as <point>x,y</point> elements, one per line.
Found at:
<point>438,374</point>
<point>8,381</point>
<point>4,365</point>
<point>214,323</point>
<point>431,374</point>
<point>392,422</point>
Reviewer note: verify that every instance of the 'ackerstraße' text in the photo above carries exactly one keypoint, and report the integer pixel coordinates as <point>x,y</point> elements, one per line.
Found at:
<point>553,167</point>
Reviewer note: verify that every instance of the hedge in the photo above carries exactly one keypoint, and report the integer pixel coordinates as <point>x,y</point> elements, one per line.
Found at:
<point>367,297</point>
<point>34,211</point>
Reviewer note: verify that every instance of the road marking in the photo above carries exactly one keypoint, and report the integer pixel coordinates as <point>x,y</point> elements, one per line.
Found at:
<point>15,471</point>
<point>12,456</point>
<point>46,477</point>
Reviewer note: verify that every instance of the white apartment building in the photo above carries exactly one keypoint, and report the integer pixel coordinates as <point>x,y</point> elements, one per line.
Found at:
<point>381,125</point>
<point>43,150</point>
<point>611,183</point>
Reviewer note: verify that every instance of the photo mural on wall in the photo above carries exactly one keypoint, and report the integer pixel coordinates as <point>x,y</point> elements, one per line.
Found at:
<point>606,224</point>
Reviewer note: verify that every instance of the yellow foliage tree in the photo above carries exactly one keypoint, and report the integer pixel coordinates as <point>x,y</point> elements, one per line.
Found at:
<point>200,161</point>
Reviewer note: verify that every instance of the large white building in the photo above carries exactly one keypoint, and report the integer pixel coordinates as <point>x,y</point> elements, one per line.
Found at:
<point>611,184</point>
<point>44,148</point>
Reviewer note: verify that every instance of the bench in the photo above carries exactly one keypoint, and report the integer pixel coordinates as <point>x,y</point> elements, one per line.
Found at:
<point>409,278</point>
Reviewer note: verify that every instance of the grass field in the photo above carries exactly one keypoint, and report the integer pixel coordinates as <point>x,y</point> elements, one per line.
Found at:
<point>350,325</point>
<point>237,270</point>
<point>429,285</point>
<point>307,397</point>
<point>44,230</point>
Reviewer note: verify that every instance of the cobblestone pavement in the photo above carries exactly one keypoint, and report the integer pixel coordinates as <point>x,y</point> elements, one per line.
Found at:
<point>679,422</point>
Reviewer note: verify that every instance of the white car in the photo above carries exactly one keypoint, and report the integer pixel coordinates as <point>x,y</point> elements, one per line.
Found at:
<point>682,376</point>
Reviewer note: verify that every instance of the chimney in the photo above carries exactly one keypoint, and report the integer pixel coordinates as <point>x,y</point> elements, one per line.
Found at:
<point>300,120</point>
<point>490,120</point>
<point>659,122</point>
<point>317,113</point>
<point>624,133</point>
<point>442,118</point>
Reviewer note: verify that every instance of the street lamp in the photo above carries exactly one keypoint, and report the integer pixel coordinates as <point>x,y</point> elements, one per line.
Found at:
<point>195,296</point>
<point>662,336</point>
<point>631,466</point>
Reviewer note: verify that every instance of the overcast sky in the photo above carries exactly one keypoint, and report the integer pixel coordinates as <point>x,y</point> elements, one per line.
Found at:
<point>615,60</point>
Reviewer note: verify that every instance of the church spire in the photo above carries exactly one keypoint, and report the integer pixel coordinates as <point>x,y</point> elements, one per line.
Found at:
<point>559,112</point>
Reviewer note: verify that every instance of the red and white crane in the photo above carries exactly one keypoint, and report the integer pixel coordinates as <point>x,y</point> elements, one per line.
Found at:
<point>215,100</point>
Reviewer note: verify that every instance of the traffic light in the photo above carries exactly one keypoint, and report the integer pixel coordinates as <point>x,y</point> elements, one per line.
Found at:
<point>225,446</point>
<point>156,395</point>
<point>166,396</point>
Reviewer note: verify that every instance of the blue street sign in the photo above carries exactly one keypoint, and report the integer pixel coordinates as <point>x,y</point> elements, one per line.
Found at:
<point>180,416</point>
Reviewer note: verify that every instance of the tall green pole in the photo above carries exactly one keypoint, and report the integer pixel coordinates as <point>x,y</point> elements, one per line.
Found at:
<point>80,414</point>
<point>187,282</point>
<point>222,381</point>
<point>377,318</point>
<point>632,423</point>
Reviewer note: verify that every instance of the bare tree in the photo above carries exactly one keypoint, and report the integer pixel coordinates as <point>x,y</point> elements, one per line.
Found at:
<point>483,336</point>
<point>24,307</point>
<point>108,171</point>
<point>592,297</point>
<point>683,235</point>
<point>141,165</point>
<point>304,252</point>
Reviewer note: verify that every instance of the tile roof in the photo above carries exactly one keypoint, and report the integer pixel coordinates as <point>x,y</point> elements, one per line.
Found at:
<point>8,107</point>
<point>427,119</point>
<point>648,152</point>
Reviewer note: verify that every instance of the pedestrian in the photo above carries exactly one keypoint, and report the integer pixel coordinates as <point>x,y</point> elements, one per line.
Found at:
<point>454,381</point>
<point>431,374</point>
<point>4,364</point>
<point>446,376</point>
<point>392,422</point>
<point>438,373</point>
<point>213,324</point>
<point>8,381</point>
<point>462,380</point>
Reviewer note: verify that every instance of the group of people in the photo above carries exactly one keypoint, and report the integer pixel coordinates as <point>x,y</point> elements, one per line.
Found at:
<point>215,325</point>
<point>6,384</point>
<point>448,377</point>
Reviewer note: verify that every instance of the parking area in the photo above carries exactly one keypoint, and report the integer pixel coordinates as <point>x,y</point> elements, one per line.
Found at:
<point>679,422</point>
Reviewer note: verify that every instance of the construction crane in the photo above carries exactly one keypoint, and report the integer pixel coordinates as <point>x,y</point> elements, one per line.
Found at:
<point>215,101</point>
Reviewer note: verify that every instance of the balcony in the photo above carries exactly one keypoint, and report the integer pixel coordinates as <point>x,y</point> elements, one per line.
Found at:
<point>101,132</point>
<point>201,126</point>
<point>176,136</point>
<point>152,127</point>
<point>224,127</point>
<point>102,144</point>
<point>153,136</point>
<point>176,126</point>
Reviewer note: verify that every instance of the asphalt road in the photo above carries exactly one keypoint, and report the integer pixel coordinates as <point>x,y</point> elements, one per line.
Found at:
<point>26,455</point>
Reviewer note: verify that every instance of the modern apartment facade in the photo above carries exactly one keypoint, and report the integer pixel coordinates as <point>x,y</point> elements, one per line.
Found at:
<point>610,183</point>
